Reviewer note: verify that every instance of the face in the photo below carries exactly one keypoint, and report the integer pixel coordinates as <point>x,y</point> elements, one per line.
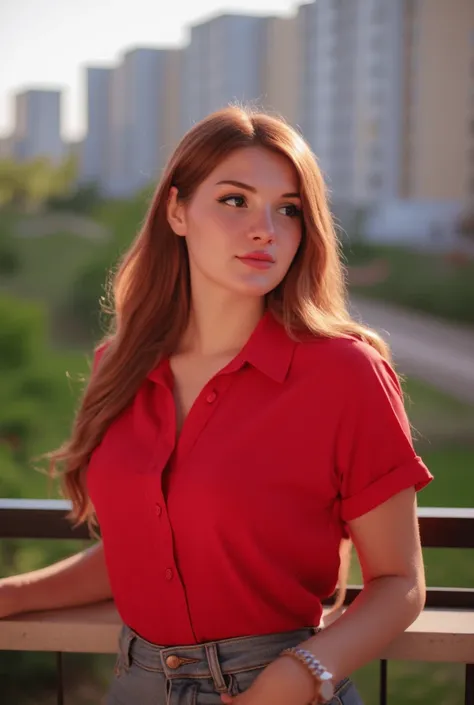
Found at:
<point>243,224</point>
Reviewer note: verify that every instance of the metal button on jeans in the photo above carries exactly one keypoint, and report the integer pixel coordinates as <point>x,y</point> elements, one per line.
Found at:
<point>173,661</point>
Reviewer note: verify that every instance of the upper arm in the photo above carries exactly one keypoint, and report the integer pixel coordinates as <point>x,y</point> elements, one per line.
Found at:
<point>379,470</point>
<point>387,538</point>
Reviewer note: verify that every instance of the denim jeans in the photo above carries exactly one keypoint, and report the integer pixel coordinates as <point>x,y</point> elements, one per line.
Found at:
<point>148,674</point>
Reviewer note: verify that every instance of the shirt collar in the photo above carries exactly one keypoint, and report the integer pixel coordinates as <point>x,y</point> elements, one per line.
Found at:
<point>269,350</point>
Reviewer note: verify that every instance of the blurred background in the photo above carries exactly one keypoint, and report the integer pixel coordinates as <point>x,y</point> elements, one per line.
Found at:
<point>93,99</point>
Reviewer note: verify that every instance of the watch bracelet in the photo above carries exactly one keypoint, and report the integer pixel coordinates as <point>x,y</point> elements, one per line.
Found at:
<point>313,666</point>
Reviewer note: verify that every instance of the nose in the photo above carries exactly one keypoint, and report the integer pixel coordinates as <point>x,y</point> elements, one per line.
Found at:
<point>263,227</point>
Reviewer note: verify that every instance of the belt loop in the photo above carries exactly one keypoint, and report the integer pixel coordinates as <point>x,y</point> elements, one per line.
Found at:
<point>127,640</point>
<point>215,668</point>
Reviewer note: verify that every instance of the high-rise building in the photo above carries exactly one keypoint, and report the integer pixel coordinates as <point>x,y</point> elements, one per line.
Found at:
<point>144,101</point>
<point>388,95</point>
<point>281,68</point>
<point>351,94</point>
<point>223,63</point>
<point>438,110</point>
<point>377,97</point>
<point>383,91</point>
<point>37,131</point>
<point>94,152</point>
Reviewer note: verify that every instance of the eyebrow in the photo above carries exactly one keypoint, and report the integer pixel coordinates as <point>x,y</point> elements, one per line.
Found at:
<point>252,189</point>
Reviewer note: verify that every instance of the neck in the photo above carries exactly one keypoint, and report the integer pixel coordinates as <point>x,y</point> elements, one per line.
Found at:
<point>220,325</point>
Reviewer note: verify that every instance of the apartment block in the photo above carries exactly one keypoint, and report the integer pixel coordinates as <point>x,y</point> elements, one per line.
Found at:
<point>383,91</point>
<point>282,60</point>
<point>438,109</point>
<point>351,94</point>
<point>94,154</point>
<point>37,131</point>
<point>144,100</point>
<point>223,63</point>
<point>388,97</point>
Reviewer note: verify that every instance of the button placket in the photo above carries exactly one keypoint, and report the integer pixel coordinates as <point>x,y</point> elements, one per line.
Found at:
<point>202,411</point>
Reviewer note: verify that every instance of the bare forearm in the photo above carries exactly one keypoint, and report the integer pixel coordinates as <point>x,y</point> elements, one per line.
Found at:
<point>384,609</point>
<point>77,580</point>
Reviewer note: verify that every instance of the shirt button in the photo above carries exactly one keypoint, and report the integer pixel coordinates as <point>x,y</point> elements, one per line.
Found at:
<point>158,510</point>
<point>169,574</point>
<point>211,397</point>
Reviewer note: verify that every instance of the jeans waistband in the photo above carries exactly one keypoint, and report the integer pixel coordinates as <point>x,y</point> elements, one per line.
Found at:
<point>213,659</point>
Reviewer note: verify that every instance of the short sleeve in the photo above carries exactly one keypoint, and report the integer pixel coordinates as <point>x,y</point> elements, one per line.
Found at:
<point>375,454</point>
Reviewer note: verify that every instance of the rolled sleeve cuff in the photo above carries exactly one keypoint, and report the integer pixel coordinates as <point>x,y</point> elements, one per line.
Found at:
<point>413,473</point>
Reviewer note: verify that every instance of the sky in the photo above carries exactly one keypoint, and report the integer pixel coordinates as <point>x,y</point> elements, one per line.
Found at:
<point>45,43</point>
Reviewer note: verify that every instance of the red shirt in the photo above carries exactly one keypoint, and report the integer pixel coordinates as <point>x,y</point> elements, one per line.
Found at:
<point>235,530</point>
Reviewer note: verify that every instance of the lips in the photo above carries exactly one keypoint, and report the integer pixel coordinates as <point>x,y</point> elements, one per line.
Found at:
<point>257,260</point>
<point>258,256</point>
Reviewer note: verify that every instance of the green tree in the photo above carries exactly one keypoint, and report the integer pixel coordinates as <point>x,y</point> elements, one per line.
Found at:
<point>22,387</point>
<point>28,185</point>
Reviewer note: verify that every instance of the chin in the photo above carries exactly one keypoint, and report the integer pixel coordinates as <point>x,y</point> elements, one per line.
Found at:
<point>255,291</point>
<point>257,288</point>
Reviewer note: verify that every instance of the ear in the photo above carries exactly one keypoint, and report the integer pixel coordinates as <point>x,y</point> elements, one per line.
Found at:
<point>176,213</point>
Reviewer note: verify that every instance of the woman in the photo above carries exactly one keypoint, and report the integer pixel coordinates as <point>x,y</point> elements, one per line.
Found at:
<point>237,429</point>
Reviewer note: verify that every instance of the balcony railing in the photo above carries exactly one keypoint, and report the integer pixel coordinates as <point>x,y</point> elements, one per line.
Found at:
<point>444,632</point>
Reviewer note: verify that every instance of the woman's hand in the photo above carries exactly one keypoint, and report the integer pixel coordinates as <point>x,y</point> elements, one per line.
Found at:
<point>284,681</point>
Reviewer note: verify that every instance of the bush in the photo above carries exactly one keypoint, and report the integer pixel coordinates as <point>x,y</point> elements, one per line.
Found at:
<point>9,258</point>
<point>439,284</point>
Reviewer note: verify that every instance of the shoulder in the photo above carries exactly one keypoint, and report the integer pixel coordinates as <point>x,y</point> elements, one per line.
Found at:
<point>340,351</point>
<point>345,359</point>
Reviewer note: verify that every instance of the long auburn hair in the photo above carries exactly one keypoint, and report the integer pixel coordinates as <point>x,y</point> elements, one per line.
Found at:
<point>150,291</point>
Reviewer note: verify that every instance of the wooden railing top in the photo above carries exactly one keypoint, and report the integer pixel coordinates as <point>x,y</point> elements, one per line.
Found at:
<point>437,635</point>
<point>440,527</point>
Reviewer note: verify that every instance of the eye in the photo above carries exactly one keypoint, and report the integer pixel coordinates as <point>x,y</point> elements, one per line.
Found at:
<point>292,211</point>
<point>233,201</point>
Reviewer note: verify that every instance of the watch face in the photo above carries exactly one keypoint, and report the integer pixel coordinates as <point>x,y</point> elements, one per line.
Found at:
<point>326,690</point>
